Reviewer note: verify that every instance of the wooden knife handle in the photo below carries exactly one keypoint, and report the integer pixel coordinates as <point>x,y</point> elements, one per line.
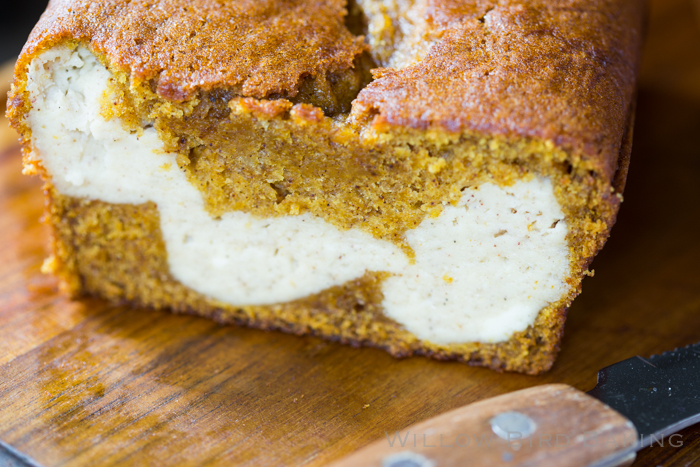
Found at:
<point>551,425</point>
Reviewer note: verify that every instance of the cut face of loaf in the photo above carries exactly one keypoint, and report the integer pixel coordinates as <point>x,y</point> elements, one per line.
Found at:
<point>457,244</point>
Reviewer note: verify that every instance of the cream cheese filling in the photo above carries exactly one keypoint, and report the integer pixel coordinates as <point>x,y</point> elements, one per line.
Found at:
<point>483,269</point>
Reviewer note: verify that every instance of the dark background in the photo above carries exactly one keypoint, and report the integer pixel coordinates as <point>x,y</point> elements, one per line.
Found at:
<point>16,22</point>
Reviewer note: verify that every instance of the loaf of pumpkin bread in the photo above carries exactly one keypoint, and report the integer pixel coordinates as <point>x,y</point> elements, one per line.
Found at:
<point>426,176</point>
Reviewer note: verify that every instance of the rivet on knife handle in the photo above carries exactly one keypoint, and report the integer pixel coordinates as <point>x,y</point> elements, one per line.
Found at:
<point>549,425</point>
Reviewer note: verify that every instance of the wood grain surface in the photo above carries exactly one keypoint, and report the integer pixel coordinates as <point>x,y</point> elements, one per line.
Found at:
<point>87,383</point>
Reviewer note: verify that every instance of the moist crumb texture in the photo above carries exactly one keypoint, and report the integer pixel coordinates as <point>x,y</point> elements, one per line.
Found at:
<point>430,177</point>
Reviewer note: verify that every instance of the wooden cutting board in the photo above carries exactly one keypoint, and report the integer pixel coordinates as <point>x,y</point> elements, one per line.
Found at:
<point>88,383</point>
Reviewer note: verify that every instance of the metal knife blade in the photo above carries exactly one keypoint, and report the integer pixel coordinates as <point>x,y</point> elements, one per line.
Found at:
<point>659,395</point>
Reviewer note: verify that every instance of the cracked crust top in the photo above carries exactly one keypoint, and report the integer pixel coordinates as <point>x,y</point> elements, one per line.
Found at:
<point>256,48</point>
<point>557,70</point>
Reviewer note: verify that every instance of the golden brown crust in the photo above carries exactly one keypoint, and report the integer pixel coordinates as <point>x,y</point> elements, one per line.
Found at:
<point>557,70</point>
<point>560,71</point>
<point>255,48</point>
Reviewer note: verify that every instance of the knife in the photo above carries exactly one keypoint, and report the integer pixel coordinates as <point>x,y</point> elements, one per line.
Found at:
<point>636,402</point>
